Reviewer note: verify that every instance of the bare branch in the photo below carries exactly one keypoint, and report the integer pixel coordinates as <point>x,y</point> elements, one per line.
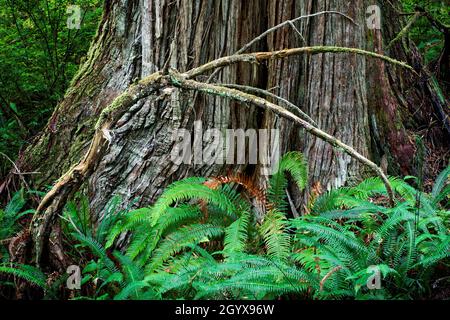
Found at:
<point>329,274</point>
<point>290,22</point>
<point>257,57</point>
<point>297,31</point>
<point>405,30</point>
<point>292,205</point>
<point>292,107</point>
<point>54,201</point>
<point>20,174</point>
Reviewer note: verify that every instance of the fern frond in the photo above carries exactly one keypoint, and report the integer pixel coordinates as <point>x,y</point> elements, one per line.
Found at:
<point>332,236</point>
<point>189,189</point>
<point>440,252</point>
<point>96,249</point>
<point>293,163</point>
<point>275,235</point>
<point>133,290</point>
<point>440,184</point>
<point>15,204</point>
<point>29,273</point>
<point>182,238</point>
<point>236,236</point>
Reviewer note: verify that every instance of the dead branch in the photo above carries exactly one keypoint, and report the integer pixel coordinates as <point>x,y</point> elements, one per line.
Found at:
<point>53,202</point>
<point>292,107</point>
<point>290,22</point>
<point>17,172</point>
<point>279,26</point>
<point>405,30</point>
<point>257,57</point>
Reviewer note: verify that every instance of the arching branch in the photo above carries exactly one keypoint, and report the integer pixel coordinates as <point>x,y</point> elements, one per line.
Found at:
<point>54,201</point>
<point>257,57</point>
<point>291,107</point>
<point>290,22</point>
<point>282,25</point>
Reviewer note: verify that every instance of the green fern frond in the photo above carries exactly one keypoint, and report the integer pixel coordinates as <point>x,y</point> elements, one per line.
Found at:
<point>330,200</point>
<point>175,217</point>
<point>275,235</point>
<point>396,216</point>
<point>96,249</point>
<point>440,251</point>
<point>130,269</point>
<point>236,236</point>
<point>356,212</point>
<point>330,235</point>
<point>15,204</point>
<point>182,238</point>
<point>133,290</point>
<point>143,242</point>
<point>189,189</point>
<point>441,181</point>
<point>29,273</point>
<point>293,163</point>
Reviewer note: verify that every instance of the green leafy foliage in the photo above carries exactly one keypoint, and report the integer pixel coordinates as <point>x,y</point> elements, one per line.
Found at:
<point>29,273</point>
<point>201,240</point>
<point>328,254</point>
<point>39,54</point>
<point>429,39</point>
<point>10,218</point>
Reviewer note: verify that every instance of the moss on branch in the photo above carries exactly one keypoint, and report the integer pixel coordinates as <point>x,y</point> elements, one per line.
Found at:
<point>258,57</point>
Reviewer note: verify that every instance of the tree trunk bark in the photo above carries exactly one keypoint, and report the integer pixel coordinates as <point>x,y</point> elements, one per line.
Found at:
<point>363,102</point>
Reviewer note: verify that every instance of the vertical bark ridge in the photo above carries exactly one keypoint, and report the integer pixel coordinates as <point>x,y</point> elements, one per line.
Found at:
<point>336,94</point>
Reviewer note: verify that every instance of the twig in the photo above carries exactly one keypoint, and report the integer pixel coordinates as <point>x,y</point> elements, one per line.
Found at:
<point>6,240</point>
<point>292,107</point>
<point>405,30</point>
<point>292,205</point>
<point>26,173</point>
<point>435,22</point>
<point>289,22</point>
<point>297,31</point>
<point>17,171</point>
<point>329,274</point>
